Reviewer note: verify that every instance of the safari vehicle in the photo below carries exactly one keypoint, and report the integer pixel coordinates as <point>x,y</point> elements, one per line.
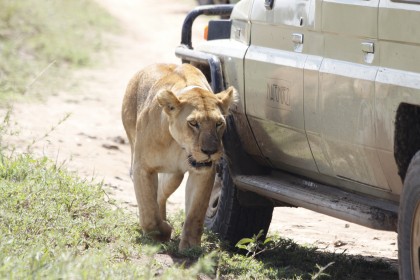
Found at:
<point>328,116</point>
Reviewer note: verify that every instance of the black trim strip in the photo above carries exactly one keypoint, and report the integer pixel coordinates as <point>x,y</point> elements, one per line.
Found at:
<point>407,1</point>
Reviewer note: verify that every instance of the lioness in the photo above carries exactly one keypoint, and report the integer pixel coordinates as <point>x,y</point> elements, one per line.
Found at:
<point>174,123</point>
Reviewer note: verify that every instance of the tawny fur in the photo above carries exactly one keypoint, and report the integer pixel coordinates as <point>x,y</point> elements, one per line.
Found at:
<point>174,123</point>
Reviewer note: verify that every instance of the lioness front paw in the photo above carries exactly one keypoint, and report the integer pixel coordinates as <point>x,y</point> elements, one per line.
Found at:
<point>188,243</point>
<point>162,233</point>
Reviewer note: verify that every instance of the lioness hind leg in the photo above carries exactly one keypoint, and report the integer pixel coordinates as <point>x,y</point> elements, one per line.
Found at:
<point>197,193</point>
<point>145,186</point>
<point>168,183</point>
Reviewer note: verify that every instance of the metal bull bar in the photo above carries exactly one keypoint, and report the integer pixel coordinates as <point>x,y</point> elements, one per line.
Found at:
<point>186,52</point>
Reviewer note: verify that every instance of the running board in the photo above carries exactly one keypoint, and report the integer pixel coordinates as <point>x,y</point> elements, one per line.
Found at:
<point>367,211</point>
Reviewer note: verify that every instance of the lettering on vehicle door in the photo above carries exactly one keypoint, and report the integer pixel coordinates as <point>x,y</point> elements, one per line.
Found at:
<point>278,94</point>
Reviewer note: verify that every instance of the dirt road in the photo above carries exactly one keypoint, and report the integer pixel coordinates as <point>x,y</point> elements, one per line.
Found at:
<point>92,140</point>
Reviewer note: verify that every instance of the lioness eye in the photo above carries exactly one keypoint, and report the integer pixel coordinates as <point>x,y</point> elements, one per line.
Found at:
<point>193,123</point>
<point>219,123</point>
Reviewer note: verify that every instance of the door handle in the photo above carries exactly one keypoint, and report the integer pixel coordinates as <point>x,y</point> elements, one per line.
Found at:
<point>297,38</point>
<point>368,47</point>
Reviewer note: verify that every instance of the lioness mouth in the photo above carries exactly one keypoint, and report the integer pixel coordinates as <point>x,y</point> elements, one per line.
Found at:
<point>197,164</point>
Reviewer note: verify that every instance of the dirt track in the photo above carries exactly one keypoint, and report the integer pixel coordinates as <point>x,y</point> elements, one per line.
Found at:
<point>92,140</point>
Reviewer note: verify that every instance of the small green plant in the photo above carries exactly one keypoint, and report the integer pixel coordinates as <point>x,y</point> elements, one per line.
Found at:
<point>320,273</point>
<point>48,132</point>
<point>7,129</point>
<point>255,246</point>
<point>4,127</point>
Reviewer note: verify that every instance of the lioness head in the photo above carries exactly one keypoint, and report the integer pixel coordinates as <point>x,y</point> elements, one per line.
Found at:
<point>197,122</point>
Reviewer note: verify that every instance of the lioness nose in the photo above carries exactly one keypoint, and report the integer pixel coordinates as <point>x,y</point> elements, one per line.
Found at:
<point>209,151</point>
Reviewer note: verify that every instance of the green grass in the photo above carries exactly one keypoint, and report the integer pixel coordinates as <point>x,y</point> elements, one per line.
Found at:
<point>41,40</point>
<point>56,225</point>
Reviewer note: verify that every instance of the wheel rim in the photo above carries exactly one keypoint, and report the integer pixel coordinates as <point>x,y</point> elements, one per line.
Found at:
<point>214,198</point>
<point>415,243</point>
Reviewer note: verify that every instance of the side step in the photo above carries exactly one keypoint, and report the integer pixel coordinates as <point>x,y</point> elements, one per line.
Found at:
<point>363,210</point>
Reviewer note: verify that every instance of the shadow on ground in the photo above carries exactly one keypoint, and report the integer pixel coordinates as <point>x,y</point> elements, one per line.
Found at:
<point>286,260</point>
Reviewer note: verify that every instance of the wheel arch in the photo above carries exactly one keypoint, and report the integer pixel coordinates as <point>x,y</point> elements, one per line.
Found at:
<point>406,136</point>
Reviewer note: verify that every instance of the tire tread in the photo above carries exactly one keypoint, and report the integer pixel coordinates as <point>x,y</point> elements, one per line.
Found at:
<point>234,221</point>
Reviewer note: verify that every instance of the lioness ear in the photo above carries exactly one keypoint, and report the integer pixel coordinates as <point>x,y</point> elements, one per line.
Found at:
<point>168,101</point>
<point>227,99</point>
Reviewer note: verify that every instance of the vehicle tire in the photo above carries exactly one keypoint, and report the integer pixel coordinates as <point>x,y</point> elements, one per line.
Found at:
<point>227,217</point>
<point>409,223</point>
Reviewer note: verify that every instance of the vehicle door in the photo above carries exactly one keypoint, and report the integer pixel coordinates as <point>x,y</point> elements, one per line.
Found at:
<point>274,77</point>
<point>346,104</point>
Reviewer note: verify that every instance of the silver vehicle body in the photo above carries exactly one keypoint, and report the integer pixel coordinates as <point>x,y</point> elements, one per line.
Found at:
<point>328,116</point>
<point>320,84</point>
